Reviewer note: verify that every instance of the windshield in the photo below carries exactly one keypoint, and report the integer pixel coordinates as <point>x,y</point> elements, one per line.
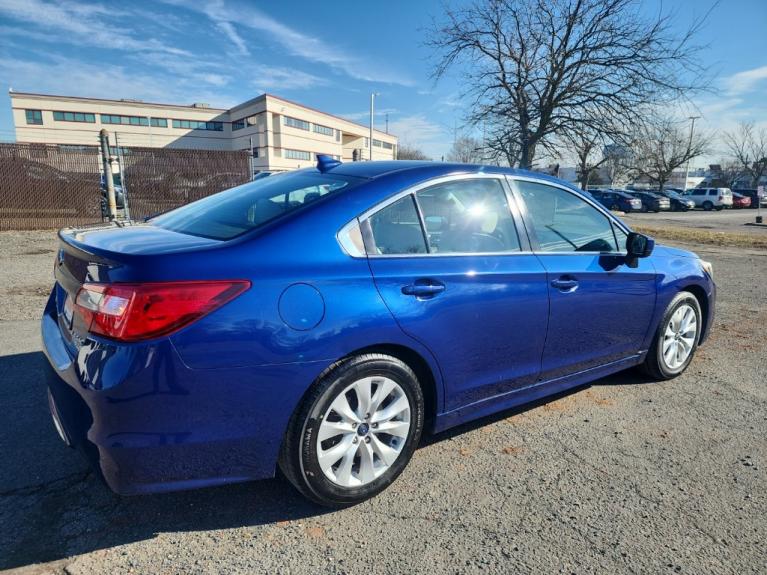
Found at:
<point>233,212</point>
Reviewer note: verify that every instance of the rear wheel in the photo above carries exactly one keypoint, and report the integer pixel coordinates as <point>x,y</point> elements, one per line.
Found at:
<point>615,208</point>
<point>676,338</point>
<point>355,431</point>
<point>708,206</point>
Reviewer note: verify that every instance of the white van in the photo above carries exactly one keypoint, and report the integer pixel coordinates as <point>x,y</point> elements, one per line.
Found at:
<point>711,198</point>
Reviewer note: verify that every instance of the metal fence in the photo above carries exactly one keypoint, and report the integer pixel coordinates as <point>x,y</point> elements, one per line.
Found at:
<point>44,186</point>
<point>158,180</point>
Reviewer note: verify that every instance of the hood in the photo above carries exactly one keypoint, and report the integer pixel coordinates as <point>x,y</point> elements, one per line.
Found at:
<point>669,252</point>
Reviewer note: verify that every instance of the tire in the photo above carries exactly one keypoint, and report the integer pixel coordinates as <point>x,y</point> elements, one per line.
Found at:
<point>719,208</point>
<point>708,206</point>
<point>615,208</point>
<point>656,364</point>
<point>340,484</point>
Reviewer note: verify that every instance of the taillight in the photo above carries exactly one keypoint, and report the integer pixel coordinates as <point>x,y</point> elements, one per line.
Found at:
<point>133,312</point>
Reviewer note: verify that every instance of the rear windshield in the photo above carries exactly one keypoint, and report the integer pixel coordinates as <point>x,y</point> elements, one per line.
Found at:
<point>233,212</point>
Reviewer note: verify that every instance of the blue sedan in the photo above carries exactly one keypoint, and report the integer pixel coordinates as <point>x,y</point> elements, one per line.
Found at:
<point>320,320</point>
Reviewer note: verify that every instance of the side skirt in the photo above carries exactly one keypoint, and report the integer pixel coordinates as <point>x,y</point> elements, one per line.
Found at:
<point>531,393</point>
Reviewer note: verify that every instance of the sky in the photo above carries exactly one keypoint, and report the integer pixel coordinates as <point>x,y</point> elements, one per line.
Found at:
<point>327,55</point>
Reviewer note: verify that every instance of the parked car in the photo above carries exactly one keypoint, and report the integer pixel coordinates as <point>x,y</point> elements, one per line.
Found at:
<point>711,198</point>
<point>679,203</point>
<point>754,195</point>
<point>652,202</point>
<point>320,320</point>
<point>617,200</point>
<point>740,201</point>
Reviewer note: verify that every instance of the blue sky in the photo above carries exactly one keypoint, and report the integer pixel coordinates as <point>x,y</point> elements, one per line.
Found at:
<point>328,55</point>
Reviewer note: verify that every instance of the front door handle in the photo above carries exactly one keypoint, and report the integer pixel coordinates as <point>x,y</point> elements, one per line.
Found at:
<point>565,283</point>
<point>424,288</point>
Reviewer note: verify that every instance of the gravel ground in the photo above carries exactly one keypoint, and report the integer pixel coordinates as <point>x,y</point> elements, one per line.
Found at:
<point>623,476</point>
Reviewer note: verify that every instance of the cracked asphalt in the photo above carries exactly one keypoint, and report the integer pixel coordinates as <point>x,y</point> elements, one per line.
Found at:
<point>623,476</point>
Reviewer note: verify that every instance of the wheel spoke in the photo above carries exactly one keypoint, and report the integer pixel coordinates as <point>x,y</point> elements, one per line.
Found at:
<point>362,389</point>
<point>367,471</point>
<point>392,410</point>
<point>330,429</point>
<point>398,428</point>
<point>386,453</point>
<point>341,407</point>
<point>344,471</point>
<point>329,458</point>
<point>385,387</point>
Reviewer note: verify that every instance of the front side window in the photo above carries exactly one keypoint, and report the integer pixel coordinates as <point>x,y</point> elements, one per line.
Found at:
<point>468,216</point>
<point>396,229</point>
<point>233,212</point>
<point>563,222</point>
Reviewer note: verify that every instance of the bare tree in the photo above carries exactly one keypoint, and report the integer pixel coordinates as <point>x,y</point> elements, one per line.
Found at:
<point>466,150</point>
<point>661,145</point>
<point>587,146</point>
<point>543,67</point>
<point>408,152</point>
<point>748,147</point>
<point>725,174</point>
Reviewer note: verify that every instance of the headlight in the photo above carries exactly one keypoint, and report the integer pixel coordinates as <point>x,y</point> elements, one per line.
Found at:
<point>707,267</point>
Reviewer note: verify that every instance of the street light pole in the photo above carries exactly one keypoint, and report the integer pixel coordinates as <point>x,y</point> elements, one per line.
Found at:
<point>687,166</point>
<point>372,111</point>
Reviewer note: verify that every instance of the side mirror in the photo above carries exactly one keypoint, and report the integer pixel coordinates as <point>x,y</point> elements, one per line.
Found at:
<point>639,245</point>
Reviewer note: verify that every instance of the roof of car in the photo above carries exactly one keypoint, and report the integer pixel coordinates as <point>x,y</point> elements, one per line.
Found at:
<point>429,169</point>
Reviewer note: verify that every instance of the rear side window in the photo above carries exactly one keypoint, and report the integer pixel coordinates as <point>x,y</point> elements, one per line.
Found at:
<point>563,222</point>
<point>699,192</point>
<point>468,216</point>
<point>233,212</point>
<point>397,229</point>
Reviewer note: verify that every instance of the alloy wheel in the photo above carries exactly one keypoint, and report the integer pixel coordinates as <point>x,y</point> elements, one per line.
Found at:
<point>679,336</point>
<point>363,431</point>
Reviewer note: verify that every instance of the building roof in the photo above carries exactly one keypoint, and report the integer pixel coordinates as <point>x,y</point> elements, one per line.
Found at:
<point>126,102</point>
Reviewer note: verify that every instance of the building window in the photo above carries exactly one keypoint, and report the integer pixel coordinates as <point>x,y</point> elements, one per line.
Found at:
<point>297,155</point>
<point>377,143</point>
<point>198,125</point>
<point>158,122</point>
<point>366,143</point>
<point>74,117</point>
<point>323,130</point>
<point>238,124</point>
<point>338,135</point>
<point>34,117</point>
<point>296,123</point>
<point>387,146</point>
<point>124,120</point>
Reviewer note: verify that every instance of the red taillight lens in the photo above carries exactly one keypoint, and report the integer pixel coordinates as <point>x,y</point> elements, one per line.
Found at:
<point>133,312</point>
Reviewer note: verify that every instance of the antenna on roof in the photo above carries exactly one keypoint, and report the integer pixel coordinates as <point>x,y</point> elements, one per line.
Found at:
<point>326,162</point>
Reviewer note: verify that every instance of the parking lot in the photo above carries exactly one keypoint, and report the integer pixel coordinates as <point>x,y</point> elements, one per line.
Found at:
<point>622,476</point>
<point>724,221</point>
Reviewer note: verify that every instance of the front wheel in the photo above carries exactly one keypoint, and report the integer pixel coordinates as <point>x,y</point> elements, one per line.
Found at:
<point>676,338</point>
<point>355,431</point>
<point>708,206</point>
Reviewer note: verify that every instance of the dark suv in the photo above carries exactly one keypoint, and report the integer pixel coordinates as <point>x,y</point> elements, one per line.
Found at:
<point>678,202</point>
<point>617,200</point>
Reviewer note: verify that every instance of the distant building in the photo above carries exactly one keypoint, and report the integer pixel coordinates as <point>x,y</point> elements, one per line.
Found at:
<point>282,135</point>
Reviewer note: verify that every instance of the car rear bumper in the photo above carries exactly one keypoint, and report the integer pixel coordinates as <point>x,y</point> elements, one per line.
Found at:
<point>150,424</point>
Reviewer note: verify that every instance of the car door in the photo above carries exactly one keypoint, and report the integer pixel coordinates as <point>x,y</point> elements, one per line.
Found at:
<point>450,264</point>
<point>600,306</point>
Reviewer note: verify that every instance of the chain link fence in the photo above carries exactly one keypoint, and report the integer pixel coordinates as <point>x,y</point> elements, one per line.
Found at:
<point>45,186</point>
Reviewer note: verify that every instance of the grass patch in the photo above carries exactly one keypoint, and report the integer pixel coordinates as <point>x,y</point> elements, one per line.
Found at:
<point>697,236</point>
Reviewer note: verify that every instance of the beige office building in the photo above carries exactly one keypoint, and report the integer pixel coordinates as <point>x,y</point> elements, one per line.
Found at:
<point>282,135</point>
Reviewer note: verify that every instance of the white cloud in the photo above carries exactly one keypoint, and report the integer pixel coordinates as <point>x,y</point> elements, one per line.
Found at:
<point>745,81</point>
<point>418,131</point>
<point>266,78</point>
<point>228,29</point>
<point>298,44</point>
<point>83,24</point>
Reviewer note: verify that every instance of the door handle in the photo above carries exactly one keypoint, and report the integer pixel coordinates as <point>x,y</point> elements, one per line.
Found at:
<point>423,288</point>
<point>565,283</point>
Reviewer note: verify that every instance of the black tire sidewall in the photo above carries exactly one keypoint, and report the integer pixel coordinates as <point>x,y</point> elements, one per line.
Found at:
<point>680,299</point>
<point>323,489</point>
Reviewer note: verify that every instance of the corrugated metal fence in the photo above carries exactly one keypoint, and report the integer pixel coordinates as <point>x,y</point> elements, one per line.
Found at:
<point>45,186</point>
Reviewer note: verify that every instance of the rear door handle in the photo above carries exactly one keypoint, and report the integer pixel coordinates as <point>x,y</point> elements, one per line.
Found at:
<point>565,283</point>
<point>424,288</point>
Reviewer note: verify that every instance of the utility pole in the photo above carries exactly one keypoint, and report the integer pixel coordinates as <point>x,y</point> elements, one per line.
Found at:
<point>387,122</point>
<point>689,146</point>
<point>372,111</point>
<point>123,181</point>
<point>107,159</point>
